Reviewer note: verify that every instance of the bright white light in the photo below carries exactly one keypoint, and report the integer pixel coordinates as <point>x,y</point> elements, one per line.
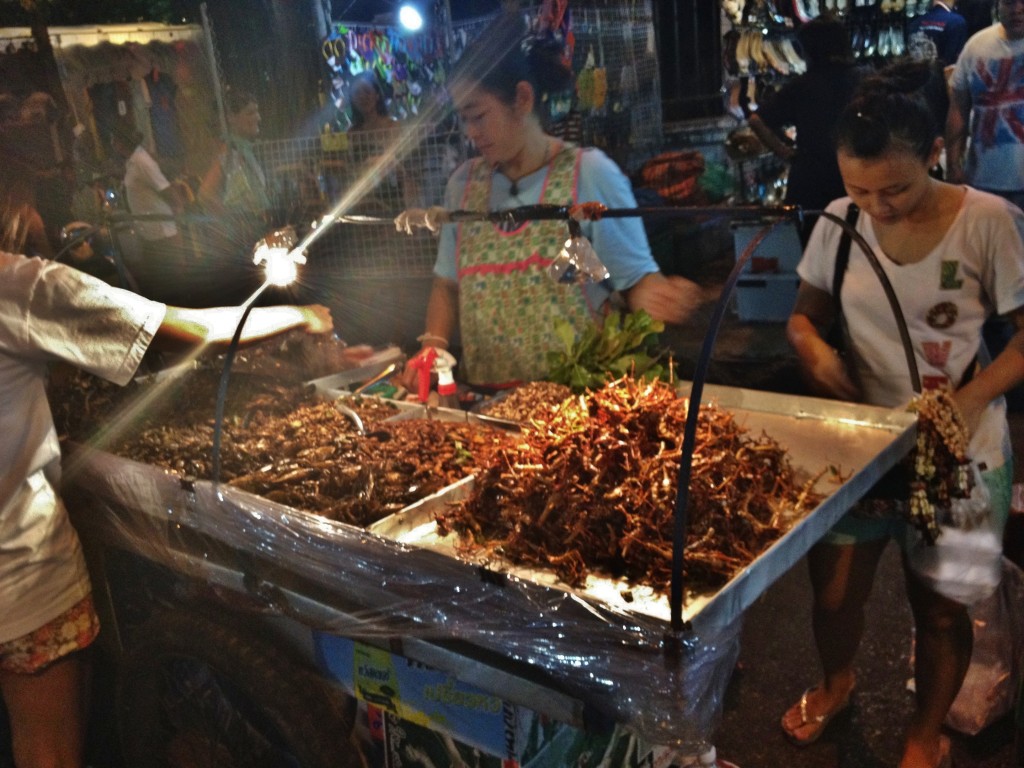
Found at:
<point>279,264</point>
<point>410,18</point>
<point>279,256</point>
<point>281,270</point>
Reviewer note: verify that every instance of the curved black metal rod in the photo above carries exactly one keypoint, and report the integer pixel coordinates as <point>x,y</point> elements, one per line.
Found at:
<point>890,295</point>
<point>537,212</point>
<point>222,387</point>
<point>681,517</point>
<point>118,218</point>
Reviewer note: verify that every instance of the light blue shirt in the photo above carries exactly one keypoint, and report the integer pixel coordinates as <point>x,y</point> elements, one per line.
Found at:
<point>621,243</point>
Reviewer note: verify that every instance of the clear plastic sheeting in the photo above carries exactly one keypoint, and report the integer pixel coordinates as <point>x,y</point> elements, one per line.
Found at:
<point>574,655</point>
<point>626,669</point>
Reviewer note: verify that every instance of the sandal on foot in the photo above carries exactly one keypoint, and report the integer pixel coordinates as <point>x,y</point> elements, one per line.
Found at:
<point>945,758</point>
<point>945,753</point>
<point>820,722</point>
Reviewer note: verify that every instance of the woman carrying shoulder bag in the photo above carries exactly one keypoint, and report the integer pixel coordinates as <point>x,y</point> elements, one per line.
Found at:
<point>954,256</point>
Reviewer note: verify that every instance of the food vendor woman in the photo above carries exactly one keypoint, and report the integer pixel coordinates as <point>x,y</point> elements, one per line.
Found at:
<point>51,313</point>
<point>491,281</point>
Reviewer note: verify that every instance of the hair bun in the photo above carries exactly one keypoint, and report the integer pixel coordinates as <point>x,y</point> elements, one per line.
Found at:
<point>902,77</point>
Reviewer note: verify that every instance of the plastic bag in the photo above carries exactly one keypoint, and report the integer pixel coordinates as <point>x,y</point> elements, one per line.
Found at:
<point>965,562</point>
<point>991,687</point>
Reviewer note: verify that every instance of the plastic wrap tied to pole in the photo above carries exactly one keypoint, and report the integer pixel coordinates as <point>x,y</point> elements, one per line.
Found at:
<point>577,262</point>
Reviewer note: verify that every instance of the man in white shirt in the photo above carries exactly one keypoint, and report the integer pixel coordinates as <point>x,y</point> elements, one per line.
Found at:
<point>151,194</point>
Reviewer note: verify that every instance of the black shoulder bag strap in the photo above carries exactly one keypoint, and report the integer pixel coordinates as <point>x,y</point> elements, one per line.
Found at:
<point>843,255</point>
<point>895,483</point>
<point>835,335</point>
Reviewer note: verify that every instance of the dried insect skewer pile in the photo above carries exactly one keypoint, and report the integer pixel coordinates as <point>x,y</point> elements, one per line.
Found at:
<point>526,402</point>
<point>941,469</point>
<point>592,488</point>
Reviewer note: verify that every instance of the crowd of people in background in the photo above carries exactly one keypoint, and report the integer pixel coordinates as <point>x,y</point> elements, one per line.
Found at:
<point>58,178</point>
<point>58,173</point>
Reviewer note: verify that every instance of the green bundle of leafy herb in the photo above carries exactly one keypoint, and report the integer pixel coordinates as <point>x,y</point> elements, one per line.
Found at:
<point>625,343</point>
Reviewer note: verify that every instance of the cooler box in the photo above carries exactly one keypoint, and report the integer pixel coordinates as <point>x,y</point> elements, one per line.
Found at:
<point>766,297</point>
<point>779,252</point>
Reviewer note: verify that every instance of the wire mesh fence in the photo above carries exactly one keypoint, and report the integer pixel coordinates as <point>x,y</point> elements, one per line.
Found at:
<point>373,173</point>
<point>381,173</point>
<point>617,80</point>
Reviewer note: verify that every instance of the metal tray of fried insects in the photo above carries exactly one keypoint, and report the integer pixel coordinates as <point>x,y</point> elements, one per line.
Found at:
<point>847,446</point>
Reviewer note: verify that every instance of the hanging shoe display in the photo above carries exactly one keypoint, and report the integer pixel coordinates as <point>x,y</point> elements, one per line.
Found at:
<point>868,41</point>
<point>733,10</point>
<point>883,42</point>
<point>776,60</point>
<point>899,46</point>
<point>743,53</point>
<point>757,55</point>
<point>796,63</point>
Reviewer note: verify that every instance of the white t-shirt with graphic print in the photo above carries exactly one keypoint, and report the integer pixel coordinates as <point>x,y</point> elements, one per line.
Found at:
<point>975,271</point>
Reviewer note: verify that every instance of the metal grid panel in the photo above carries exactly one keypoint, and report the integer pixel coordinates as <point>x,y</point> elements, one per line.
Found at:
<point>617,44</point>
<point>374,173</point>
<point>383,173</point>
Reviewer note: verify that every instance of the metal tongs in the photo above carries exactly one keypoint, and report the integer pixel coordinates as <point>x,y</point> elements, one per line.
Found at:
<point>350,413</point>
<point>379,377</point>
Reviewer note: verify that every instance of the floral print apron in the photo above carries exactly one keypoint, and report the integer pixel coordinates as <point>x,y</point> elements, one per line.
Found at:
<point>507,301</point>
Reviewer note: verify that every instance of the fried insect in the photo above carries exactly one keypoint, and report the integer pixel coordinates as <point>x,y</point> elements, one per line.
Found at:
<point>528,401</point>
<point>592,488</point>
<point>288,445</point>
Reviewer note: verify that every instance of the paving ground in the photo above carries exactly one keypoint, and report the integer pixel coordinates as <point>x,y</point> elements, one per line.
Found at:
<point>777,661</point>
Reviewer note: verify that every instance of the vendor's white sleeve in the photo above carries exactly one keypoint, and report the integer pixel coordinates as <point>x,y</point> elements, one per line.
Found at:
<point>68,315</point>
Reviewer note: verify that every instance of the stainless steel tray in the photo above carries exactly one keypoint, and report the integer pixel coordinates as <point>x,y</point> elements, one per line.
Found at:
<point>594,647</point>
<point>370,367</point>
<point>860,442</point>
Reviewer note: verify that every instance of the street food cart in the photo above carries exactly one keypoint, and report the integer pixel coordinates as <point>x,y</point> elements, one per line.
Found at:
<point>252,633</point>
